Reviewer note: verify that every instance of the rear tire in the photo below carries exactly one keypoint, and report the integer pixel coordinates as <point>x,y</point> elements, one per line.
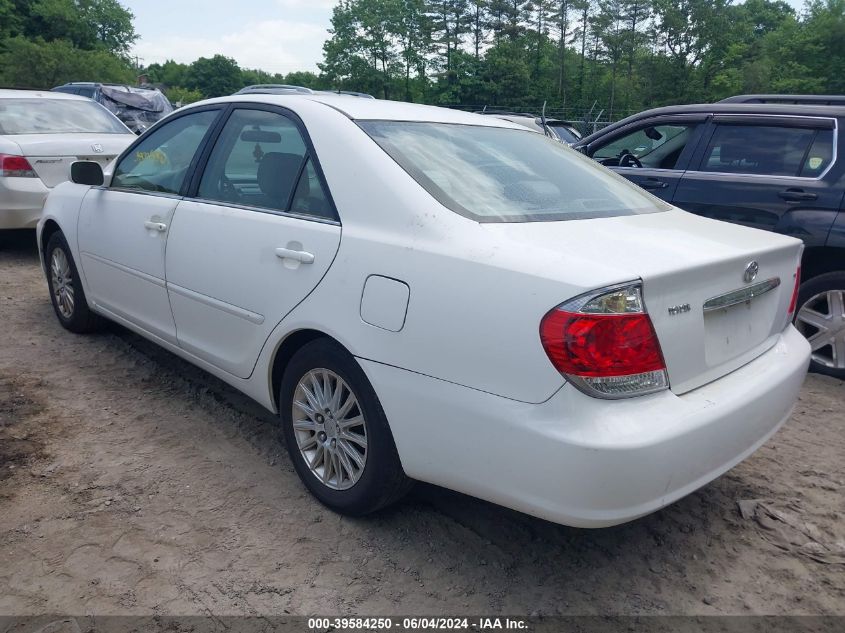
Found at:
<point>336,431</point>
<point>66,291</point>
<point>820,317</point>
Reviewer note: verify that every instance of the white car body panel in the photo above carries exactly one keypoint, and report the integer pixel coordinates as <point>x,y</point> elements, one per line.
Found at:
<point>219,315</point>
<point>572,462</point>
<point>123,260</point>
<point>464,361</point>
<point>51,155</point>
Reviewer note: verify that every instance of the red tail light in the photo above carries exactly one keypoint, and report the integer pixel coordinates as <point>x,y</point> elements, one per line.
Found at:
<point>605,344</point>
<point>793,303</point>
<point>15,167</point>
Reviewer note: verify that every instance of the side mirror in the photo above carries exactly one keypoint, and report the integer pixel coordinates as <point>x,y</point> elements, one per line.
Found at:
<point>86,172</point>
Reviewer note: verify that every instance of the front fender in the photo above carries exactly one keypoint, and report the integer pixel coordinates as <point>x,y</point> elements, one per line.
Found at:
<point>62,209</point>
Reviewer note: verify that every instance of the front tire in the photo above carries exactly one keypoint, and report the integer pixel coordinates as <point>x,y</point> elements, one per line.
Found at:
<point>66,291</point>
<point>820,317</point>
<point>336,431</point>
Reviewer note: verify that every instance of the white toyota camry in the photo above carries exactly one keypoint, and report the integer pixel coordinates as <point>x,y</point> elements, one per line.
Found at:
<point>425,294</point>
<point>41,134</point>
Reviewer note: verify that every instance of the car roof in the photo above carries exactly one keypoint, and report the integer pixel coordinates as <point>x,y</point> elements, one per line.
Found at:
<point>795,99</point>
<point>372,109</point>
<point>772,109</point>
<point>99,83</point>
<point>43,94</point>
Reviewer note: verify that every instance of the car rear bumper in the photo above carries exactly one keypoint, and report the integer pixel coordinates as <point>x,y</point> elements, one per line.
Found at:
<point>581,461</point>
<point>21,200</point>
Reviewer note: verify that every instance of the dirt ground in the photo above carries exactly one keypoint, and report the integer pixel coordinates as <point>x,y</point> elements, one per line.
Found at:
<point>133,483</point>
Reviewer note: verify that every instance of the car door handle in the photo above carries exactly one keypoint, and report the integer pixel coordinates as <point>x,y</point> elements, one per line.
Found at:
<point>300,256</point>
<point>161,227</point>
<point>653,183</point>
<point>797,195</point>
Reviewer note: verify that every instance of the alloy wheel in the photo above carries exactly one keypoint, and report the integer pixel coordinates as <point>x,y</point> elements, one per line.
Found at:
<point>822,320</point>
<point>62,278</point>
<point>330,429</point>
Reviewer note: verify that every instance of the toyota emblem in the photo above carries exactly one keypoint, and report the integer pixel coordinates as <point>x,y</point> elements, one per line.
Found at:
<point>751,272</point>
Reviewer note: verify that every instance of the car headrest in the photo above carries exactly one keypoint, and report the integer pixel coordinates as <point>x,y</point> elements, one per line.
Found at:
<point>277,174</point>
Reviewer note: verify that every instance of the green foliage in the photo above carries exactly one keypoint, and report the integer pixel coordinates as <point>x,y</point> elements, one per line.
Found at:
<point>87,24</point>
<point>170,73</point>
<point>579,56</point>
<point>38,64</point>
<point>214,76</point>
<point>182,96</point>
<point>44,43</point>
<point>615,56</point>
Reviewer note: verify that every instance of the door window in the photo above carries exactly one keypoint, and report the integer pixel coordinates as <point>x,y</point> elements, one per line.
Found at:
<point>260,160</point>
<point>769,150</point>
<point>161,160</point>
<point>310,197</point>
<point>653,146</point>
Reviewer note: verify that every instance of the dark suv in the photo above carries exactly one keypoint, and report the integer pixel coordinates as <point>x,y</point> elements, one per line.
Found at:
<point>774,167</point>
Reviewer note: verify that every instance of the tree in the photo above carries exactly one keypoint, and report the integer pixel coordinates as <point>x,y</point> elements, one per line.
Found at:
<point>87,24</point>
<point>38,64</point>
<point>182,96</point>
<point>215,76</point>
<point>170,73</point>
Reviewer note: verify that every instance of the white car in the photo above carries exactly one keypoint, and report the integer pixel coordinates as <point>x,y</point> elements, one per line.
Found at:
<point>426,294</point>
<point>41,134</point>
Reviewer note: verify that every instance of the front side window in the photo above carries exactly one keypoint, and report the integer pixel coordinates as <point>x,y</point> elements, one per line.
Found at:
<point>494,174</point>
<point>769,150</point>
<point>260,160</point>
<point>654,146</point>
<point>56,116</point>
<point>161,160</point>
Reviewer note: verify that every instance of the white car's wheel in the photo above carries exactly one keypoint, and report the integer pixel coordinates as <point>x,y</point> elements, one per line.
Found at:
<point>337,433</point>
<point>66,291</point>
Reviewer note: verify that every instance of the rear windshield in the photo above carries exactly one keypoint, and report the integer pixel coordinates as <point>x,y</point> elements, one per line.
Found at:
<point>493,174</point>
<point>57,116</point>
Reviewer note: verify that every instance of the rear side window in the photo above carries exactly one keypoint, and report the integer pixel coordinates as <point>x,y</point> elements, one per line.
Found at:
<point>492,174</point>
<point>260,160</point>
<point>769,150</point>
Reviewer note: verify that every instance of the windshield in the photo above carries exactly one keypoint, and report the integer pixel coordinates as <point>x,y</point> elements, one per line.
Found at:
<point>564,134</point>
<point>493,174</point>
<point>57,116</point>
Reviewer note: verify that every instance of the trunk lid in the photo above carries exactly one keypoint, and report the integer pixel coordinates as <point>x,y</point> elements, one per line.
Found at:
<point>684,261</point>
<point>52,155</point>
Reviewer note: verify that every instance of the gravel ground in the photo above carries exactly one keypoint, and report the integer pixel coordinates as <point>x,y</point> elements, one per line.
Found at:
<point>133,483</point>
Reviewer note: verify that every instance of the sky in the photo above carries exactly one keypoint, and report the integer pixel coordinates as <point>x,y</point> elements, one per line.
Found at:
<point>277,36</point>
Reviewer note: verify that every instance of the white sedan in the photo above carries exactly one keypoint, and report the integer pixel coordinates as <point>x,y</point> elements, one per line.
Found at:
<point>425,294</point>
<point>41,134</point>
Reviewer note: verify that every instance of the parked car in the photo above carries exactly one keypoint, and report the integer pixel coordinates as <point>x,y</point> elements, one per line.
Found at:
<point>286,89</point>
<point>773,167</point>
<point>838,100</point>
<point>568,131</point>
<point>429,294</point>
<point>41,134</point>
<point>563,131</point>
<point>138,108</point>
